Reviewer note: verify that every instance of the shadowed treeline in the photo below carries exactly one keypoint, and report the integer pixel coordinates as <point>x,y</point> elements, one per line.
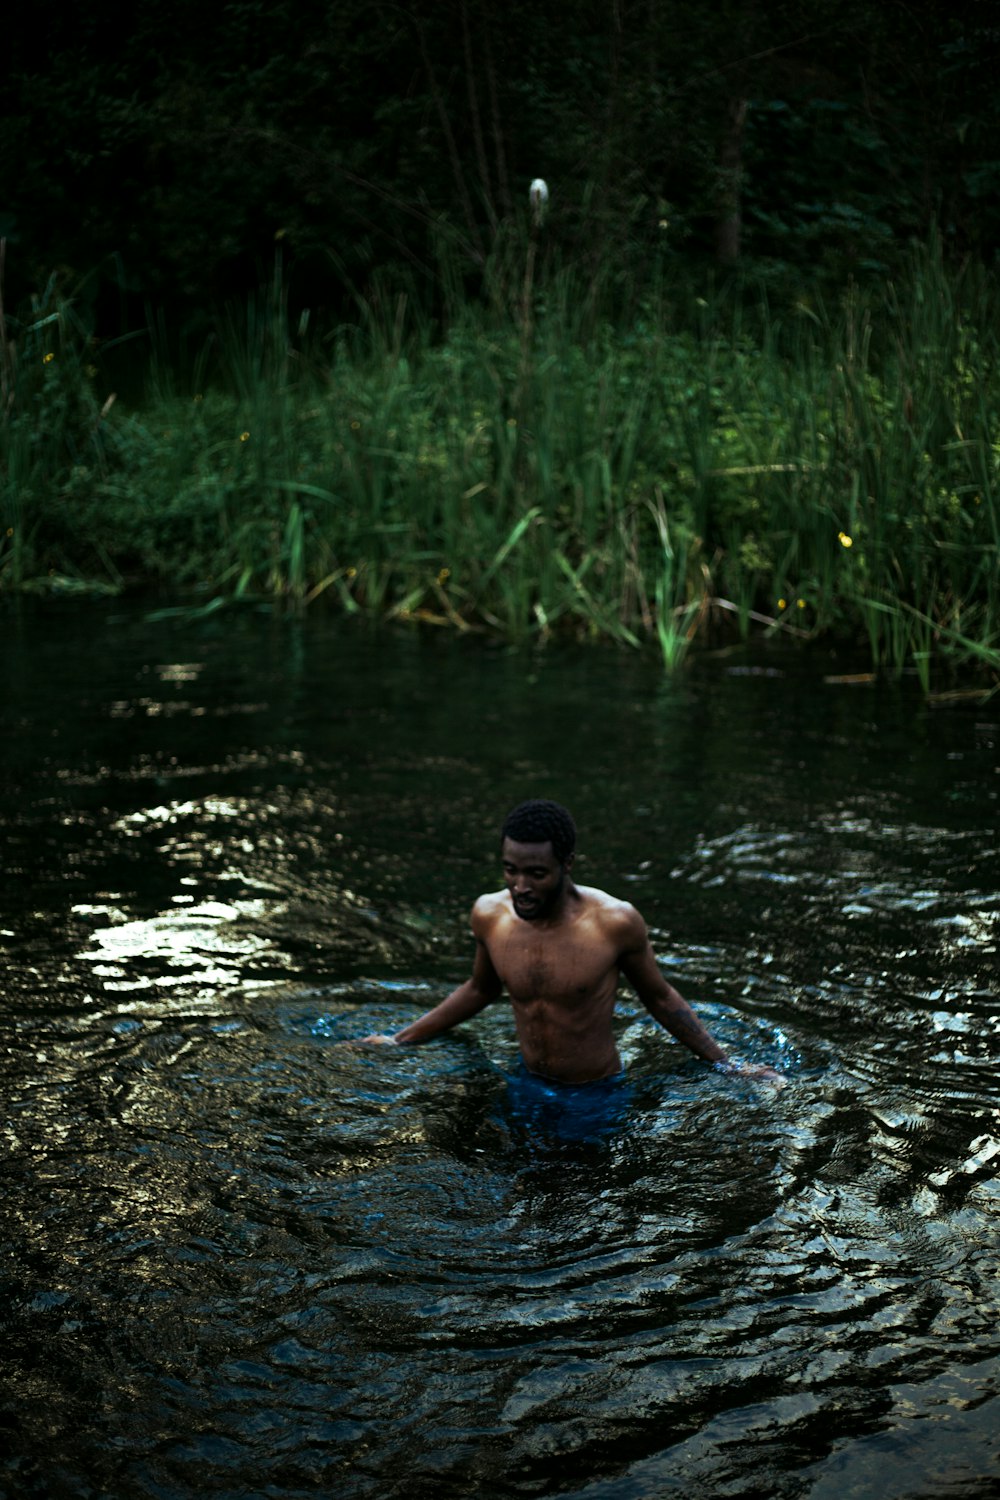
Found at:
<point>744,374</point>
<point>164,150</point>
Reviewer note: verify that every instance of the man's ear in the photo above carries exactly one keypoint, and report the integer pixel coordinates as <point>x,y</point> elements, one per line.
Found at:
<point>568,862</point>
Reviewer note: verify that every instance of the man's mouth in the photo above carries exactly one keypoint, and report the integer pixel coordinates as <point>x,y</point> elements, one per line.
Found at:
<point>525,903</point>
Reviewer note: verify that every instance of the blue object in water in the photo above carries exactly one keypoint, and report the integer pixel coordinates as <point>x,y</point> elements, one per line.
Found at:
<point>545,1110</point>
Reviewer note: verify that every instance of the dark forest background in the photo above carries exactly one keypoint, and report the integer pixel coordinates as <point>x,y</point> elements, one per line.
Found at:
<point>278,324</point>
<point>168,149</point>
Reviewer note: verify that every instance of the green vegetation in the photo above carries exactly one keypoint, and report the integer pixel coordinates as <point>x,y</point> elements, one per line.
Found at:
<point>549,456</point>
<point>714,394</point>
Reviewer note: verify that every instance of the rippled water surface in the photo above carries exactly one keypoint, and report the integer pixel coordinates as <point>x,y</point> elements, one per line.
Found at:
<point>241,1260</point>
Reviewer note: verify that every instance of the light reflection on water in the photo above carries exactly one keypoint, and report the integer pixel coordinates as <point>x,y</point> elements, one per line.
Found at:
<point>241,1259</point>
<point>188,947</point>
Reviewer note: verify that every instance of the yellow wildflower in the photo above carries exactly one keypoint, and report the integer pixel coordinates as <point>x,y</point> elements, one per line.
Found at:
<point>244,437</point>
<point>782,603</point>
<point>48,358</point>
<point>845,540</point>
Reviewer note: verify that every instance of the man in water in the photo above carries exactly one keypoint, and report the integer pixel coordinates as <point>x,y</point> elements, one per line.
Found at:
<point>558,949</point>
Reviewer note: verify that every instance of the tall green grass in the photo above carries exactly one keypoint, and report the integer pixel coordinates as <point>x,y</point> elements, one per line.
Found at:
<point>546,456</point>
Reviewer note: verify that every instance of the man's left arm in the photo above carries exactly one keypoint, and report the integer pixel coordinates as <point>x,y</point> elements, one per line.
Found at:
<point>664,1004</point>
<point>638,964</point>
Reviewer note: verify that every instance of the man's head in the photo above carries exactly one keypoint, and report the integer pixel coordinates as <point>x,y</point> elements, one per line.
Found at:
<point>540,822</point>
<point>536,845</point>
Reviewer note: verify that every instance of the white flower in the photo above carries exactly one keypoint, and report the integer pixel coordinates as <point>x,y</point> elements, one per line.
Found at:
<point>538,196</point>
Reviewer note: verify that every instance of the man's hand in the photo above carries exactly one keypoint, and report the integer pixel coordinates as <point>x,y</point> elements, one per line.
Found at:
<point>756,1071</point>
<point>380,1040</point>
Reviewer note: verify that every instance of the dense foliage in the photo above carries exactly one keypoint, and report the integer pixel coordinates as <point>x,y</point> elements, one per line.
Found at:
<point>531,466</point>
<point>172,146</point>
<point>747,369</point>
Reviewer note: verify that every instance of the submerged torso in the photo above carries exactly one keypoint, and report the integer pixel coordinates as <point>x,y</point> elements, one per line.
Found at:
<point>562,979</point>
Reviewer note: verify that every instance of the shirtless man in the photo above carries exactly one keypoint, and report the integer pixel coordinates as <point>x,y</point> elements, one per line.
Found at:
<point>558,949</point>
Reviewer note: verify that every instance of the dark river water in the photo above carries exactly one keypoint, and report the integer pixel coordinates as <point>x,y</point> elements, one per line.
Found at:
<point>239,1260</point>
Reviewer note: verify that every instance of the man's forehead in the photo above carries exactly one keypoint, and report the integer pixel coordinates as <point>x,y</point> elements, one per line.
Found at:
<point>529,853</point>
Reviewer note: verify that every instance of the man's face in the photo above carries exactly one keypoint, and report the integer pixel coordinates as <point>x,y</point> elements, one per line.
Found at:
<point>534,877</point>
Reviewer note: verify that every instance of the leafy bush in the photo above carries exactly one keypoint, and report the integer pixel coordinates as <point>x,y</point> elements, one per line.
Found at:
<point>816,467</point>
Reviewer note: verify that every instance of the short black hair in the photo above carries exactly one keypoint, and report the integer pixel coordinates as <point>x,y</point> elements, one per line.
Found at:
<point>539,822</point>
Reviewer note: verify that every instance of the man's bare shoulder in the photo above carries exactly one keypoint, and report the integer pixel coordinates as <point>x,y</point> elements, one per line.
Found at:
<point>620,918</point>
<point>488,910</point>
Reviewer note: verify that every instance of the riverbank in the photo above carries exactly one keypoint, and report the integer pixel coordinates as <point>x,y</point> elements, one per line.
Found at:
<point>531,464</point>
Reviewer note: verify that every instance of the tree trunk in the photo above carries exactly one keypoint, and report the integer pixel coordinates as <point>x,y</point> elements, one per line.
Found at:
<point>729,224</point>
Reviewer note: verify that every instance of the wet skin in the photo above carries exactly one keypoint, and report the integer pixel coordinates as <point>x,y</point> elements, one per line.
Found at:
<point>558,949</point>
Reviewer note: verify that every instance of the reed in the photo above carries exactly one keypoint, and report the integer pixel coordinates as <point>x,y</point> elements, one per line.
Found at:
<point>548,457</point>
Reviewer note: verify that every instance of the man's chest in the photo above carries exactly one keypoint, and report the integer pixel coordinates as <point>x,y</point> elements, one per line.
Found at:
<point>554,965</point>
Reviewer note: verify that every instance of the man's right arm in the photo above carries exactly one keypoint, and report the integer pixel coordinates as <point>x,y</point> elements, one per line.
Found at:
<point>481,989</point>
<point>467,1001</point>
